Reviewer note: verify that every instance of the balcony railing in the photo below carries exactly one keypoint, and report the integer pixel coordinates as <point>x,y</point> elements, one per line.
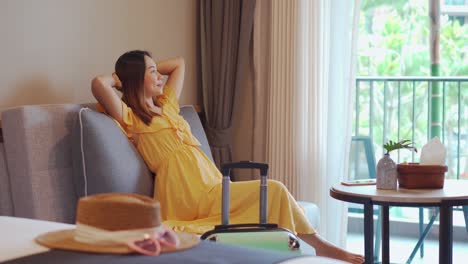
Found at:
<point>395,108</point>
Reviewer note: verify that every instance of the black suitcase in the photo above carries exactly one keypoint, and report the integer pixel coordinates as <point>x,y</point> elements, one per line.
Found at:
<point>257,235</point>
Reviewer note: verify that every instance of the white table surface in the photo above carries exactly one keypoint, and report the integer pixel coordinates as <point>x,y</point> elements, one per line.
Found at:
<point>17,239</point>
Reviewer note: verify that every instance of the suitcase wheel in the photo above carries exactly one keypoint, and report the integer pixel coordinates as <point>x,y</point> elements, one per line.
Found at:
<point>293,243</point>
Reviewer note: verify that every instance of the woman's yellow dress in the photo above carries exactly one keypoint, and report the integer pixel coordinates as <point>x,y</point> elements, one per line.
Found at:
<point>188,184</point>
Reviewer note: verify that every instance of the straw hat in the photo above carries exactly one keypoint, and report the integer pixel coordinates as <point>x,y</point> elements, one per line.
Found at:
<point>104,222</point>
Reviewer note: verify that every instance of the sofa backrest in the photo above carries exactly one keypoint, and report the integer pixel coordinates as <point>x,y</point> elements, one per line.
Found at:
<point>6,205</point>
<point>38,153</point>
<point>38,149</point>
<point>191,116</point>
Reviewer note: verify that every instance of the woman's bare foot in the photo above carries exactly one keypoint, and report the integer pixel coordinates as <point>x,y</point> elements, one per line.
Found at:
<point>326,249</point>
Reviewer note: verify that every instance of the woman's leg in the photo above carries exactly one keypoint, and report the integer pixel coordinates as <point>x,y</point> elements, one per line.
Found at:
<point>326,249</point>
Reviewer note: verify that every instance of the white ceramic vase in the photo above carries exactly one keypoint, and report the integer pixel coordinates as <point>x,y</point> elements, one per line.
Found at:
<point>387,175</point>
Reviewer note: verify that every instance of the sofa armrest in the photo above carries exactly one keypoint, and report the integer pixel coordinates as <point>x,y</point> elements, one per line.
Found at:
<point>311,212</point>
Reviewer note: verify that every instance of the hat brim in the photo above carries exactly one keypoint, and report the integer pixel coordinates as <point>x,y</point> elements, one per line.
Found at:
<point>64,239</point>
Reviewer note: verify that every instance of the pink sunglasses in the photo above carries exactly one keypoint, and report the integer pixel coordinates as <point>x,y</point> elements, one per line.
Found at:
<point>151,244</point>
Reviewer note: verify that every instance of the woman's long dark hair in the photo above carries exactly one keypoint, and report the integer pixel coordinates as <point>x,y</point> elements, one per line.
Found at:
<point>130,68</point>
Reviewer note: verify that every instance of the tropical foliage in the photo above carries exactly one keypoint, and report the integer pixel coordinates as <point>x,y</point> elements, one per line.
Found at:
<point>402,144</point>
<point>394,41</point>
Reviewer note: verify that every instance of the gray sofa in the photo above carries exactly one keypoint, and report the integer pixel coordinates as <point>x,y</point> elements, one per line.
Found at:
<point>41,160</point>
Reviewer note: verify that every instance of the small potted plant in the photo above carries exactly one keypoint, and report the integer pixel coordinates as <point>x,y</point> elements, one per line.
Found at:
<point>387,174</point>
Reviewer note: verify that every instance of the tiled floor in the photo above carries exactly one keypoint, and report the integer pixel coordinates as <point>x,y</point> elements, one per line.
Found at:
<point>401,247</point>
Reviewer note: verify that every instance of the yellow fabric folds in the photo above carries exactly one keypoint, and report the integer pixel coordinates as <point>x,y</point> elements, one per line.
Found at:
<point>188,184</point>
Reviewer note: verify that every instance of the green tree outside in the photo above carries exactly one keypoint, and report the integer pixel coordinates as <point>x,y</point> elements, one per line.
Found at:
<point>394,41</point>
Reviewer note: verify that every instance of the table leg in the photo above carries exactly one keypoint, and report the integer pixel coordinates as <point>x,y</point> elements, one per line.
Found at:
<point>445,234</point>
<point>385,235</point>
<point>369,232</point>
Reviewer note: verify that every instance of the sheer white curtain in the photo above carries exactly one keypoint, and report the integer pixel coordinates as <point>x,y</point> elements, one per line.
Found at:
<point>312,62</point>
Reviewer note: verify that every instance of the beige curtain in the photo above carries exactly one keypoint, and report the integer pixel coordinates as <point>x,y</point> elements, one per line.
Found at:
<point>309,80</point>
<point>226,37</point>
<point>261,55</point>
<point>276,45</point>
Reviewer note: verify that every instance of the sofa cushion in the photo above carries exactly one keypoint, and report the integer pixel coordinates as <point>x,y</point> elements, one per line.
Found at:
<point>104,160</point>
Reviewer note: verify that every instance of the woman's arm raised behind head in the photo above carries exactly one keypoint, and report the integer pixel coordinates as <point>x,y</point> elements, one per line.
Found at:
<point>101,86</point>
<point>175,69</point>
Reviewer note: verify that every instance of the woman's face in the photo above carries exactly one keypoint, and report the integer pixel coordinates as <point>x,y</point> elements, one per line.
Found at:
<point>153,83</point>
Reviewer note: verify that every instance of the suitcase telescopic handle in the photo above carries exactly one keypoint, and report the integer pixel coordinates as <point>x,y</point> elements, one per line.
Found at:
<point>245,164</point>
<point>226,170</point>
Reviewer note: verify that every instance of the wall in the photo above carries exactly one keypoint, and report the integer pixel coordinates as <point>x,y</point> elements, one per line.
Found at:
<point>51,49</point>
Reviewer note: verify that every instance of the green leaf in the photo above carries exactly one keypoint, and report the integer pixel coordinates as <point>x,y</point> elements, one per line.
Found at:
<point>402,144</point>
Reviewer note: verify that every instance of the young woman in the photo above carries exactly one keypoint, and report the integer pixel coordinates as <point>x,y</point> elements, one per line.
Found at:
<point>188,184</point>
